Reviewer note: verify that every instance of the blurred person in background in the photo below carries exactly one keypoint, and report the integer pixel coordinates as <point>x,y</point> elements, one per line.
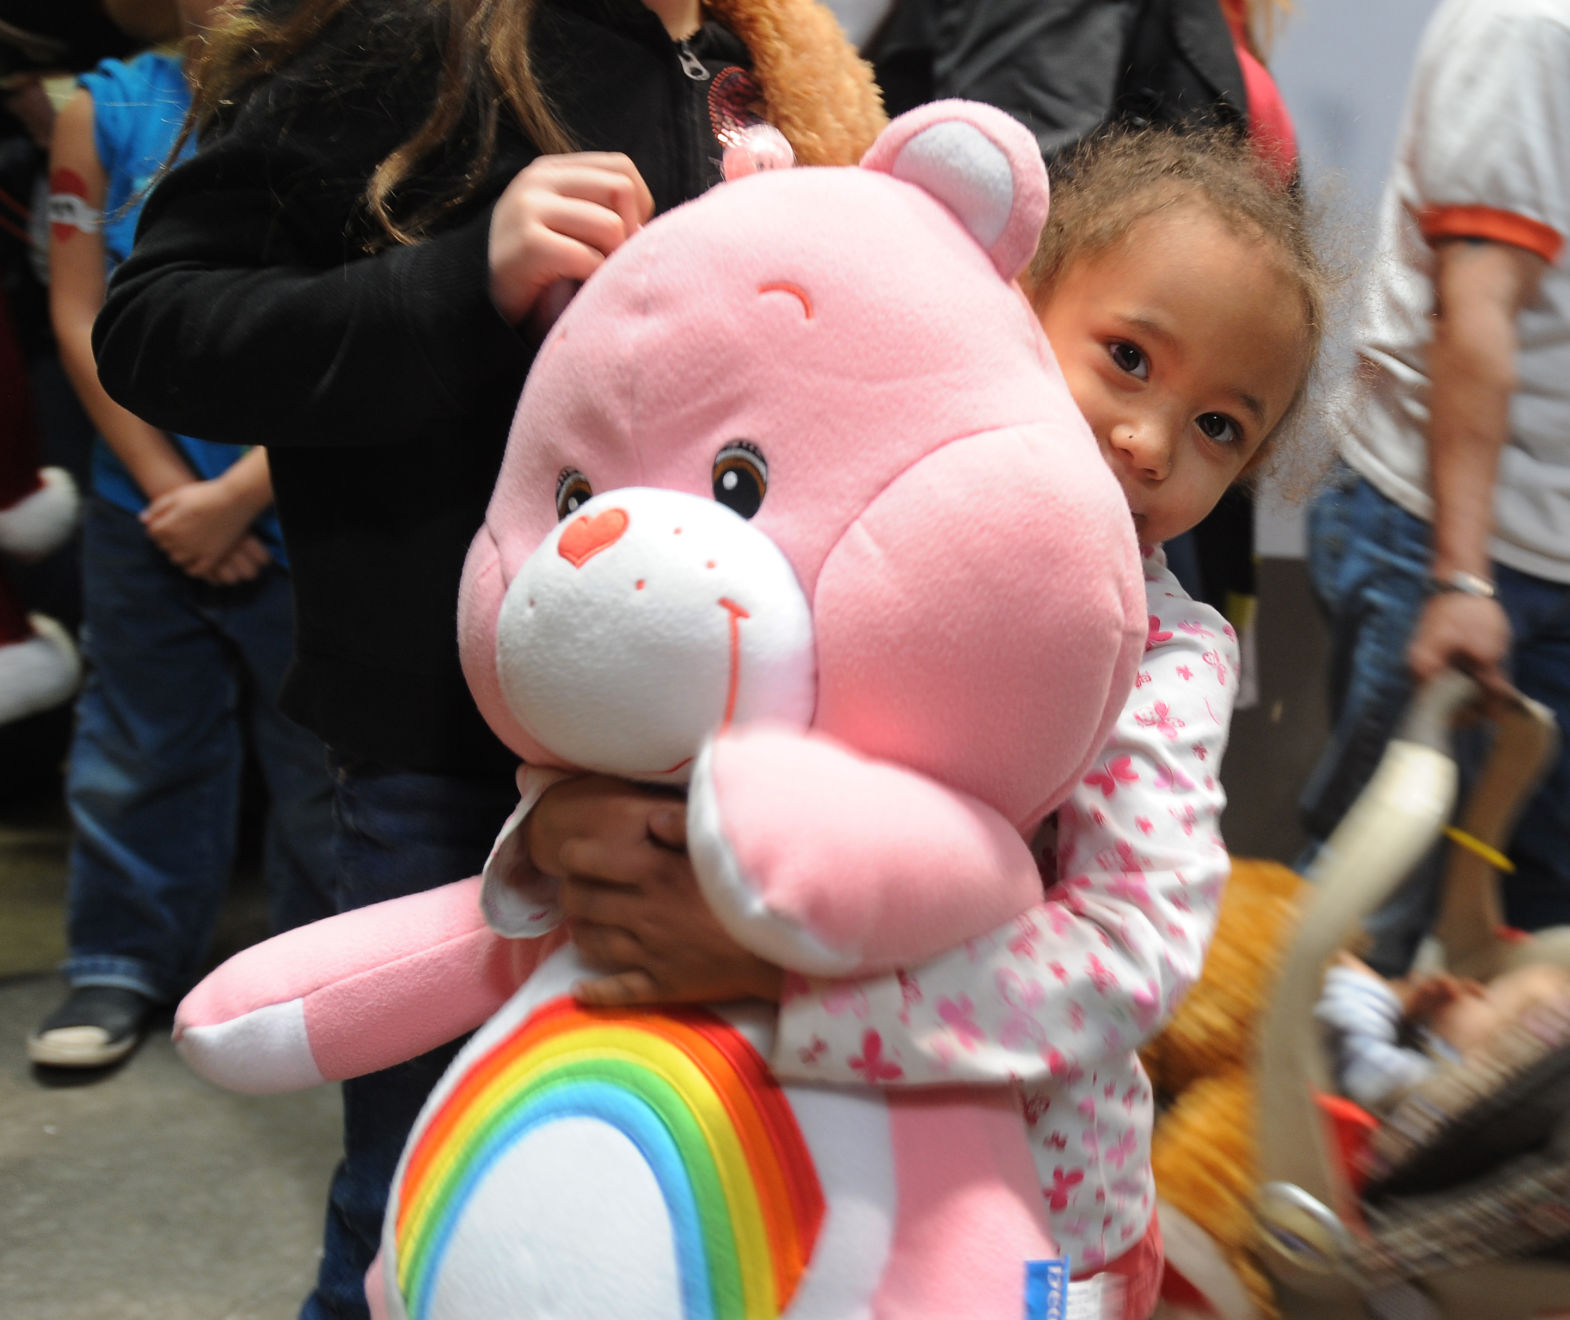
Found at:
<point>1445,536</point>
<point>45,437</point>
<point>187,629</point>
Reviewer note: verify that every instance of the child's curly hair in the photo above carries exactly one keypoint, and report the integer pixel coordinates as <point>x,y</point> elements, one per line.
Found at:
<point>1107,185</point>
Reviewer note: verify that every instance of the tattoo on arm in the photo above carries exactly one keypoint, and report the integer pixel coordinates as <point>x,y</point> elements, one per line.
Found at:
<point>69,211</point>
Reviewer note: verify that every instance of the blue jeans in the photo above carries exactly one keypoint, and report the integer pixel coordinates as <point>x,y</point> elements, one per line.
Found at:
<point>177,671</point>
<point>398,832</point>
<point>1368,562</point>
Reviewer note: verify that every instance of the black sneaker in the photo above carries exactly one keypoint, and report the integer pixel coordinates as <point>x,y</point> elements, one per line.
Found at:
<point>96,1026</point>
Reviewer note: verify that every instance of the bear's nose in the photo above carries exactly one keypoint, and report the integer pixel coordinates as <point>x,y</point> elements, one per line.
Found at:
<point>586,537</point>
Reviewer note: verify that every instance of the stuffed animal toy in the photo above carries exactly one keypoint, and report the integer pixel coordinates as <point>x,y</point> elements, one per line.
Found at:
<point>796,511</point>
<point>1204,1143</point>
<point>39,666</point>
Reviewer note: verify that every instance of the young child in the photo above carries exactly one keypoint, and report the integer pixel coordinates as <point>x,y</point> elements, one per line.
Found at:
<point>1184,302</point>
<point>1390,1035</point>
<point>187,631</point>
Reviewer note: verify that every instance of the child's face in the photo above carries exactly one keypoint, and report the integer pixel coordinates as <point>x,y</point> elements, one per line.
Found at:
<point>1183,347</point>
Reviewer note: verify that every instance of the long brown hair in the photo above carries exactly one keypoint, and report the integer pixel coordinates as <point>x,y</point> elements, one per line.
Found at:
<point>485,68</point>
<point>816,90</point>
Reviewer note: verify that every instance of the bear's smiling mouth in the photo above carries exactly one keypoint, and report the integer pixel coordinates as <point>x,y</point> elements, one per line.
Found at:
<point>737,614</point>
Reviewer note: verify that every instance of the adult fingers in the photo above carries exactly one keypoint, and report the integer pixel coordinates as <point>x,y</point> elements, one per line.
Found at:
<point>668,825</point>
<point>622,862</point>
<point>620,990</point>
<point>1468,632</point>
<point>606,948</point>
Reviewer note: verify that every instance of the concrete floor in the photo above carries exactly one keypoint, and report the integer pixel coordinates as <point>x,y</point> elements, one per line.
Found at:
<point>144,1194</point>
<point>148,1195</point>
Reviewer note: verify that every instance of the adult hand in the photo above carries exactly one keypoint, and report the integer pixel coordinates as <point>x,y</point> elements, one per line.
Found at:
<point>559,219</point>
<point>632,901</point>
<point>1471,633</point>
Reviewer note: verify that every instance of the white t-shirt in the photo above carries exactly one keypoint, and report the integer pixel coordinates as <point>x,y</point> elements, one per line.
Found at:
<point>1483,152</point>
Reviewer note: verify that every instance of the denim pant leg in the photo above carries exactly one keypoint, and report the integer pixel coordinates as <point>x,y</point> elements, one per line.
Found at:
<point>1368,564</point>
<point>1538,893</point>
<point>153,782</point>
<point>299,861</point>
<point>398,833</point>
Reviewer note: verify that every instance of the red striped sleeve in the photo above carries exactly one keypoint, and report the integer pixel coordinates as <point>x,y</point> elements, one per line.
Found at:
<point>1497,226</point>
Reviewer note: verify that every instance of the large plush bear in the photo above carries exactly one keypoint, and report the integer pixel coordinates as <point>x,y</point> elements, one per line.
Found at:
<point>796,510</point>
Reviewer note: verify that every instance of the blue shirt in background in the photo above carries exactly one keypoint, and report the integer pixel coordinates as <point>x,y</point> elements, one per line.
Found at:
<point>138,106</point>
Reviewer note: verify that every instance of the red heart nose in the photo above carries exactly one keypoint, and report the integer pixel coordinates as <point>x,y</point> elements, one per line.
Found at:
<point>586,537</point>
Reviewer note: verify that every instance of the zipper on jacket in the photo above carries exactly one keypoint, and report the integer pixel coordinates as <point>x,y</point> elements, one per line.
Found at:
<point>691,65</point>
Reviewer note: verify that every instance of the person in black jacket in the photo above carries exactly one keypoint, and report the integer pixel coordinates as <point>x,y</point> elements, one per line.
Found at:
<point>1066,68</point>
<point>345,272</point>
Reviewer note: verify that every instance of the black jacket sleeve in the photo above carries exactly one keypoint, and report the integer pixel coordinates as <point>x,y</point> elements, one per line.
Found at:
<point>1063,67</point>
<point>285,332</point>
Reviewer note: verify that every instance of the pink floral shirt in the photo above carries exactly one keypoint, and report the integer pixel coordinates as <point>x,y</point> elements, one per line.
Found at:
<point>1058,1000</point>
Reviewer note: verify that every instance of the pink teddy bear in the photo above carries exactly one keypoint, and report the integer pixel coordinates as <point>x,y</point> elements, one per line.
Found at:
<point>797,511</point>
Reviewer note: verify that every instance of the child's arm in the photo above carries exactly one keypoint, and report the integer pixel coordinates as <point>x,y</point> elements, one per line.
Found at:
<point>202,530</point>
<point>1102,961</point>
<point>1364,1014</point>
<point>77,279</point>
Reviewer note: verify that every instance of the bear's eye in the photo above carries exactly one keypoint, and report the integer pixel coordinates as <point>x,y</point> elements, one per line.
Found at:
<point>572,492</point>
<point>741,477</point>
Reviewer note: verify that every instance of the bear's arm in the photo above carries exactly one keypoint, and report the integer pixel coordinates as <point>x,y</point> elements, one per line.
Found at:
<point>831,863</point>
<point>351,994</point>
<point>1098,965</point>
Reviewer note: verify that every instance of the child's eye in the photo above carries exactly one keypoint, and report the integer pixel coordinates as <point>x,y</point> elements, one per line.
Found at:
<point>1128,358</point>
<point>1220,428</point>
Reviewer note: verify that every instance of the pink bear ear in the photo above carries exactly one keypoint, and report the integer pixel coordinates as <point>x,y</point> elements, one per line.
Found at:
<point>982,164</point>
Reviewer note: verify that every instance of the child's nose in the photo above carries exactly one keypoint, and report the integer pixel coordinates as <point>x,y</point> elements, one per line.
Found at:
<point>1146,447</point>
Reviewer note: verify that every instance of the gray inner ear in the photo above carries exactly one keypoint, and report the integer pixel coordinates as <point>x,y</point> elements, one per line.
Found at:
<point>959,165</point>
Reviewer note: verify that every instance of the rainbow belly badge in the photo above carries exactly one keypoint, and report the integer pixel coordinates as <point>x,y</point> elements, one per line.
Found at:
<point>680,1091</point>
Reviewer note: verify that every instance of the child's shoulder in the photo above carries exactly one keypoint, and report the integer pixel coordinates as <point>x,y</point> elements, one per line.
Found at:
<point>151,75</point>
<point>1175,616</point>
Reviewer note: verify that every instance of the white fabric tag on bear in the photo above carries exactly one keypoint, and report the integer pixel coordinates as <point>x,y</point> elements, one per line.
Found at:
<point>1099,1297</point>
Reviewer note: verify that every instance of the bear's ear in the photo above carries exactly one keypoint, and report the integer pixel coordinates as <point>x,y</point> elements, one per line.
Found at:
<point>982,164</point>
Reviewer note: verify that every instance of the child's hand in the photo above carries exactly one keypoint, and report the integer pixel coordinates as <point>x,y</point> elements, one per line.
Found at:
<point>198,525</point>
<point>632,901</point>
<point>242,563</point>
<point>559,219</point>
<point>1423,996</point>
